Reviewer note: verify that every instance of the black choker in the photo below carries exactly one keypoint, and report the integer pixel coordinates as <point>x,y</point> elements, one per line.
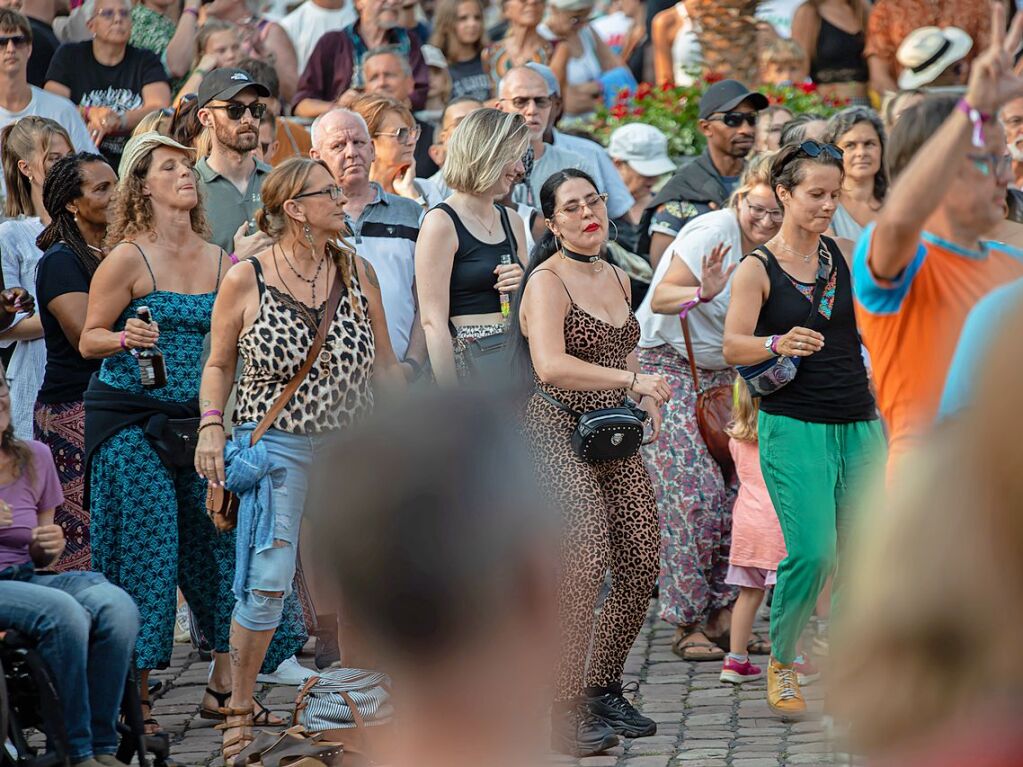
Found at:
<point>597,261</point>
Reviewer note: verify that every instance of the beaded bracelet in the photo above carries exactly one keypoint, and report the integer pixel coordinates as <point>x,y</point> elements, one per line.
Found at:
<point>209,423</point>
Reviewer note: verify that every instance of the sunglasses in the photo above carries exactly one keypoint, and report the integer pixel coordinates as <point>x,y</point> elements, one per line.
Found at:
<point>235,111</point>
<point>403,135</point>
<point>109,14</point>
<point>521,102</point>
<point>20,41</point>
<point>333,191</point>
<point>735,119</point>
<point>815,148</point>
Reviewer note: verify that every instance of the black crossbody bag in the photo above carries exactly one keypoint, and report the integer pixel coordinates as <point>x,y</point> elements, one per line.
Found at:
<point>608,434</point>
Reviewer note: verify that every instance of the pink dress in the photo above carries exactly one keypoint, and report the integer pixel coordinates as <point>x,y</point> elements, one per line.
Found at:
<point>757,543</point>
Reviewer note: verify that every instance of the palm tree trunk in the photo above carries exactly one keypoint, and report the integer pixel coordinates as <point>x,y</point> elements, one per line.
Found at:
<point>728,37</point>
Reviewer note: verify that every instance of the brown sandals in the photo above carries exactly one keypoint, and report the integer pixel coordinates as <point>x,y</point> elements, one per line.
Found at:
<point>261,714</point>
<point>239,719</point>
<point>295,747</point>
<point>692,650</point>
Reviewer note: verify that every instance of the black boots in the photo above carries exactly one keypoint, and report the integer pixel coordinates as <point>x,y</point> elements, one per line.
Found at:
<point>611,705</point>
<point>593,723</point>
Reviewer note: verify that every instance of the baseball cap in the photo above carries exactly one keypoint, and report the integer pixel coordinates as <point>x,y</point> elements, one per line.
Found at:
<point>572,5</point>
<point>725,95</point>
<point>643,147</point>
<point>222,84</point>
<point>434,57</point>
<point>928,51</point>
<point>553,86</point>
<point>141,145</point>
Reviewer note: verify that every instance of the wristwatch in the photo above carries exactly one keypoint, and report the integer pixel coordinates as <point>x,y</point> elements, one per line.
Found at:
<point>769,345</point>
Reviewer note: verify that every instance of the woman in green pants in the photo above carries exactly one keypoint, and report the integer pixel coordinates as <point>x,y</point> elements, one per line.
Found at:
<point>819,434</point>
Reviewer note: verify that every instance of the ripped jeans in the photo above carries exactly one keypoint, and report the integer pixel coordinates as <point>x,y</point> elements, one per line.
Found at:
<point>272,572</point>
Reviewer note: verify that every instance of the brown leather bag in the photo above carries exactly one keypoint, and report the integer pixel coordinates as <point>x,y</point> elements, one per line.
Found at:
<point>713,413</point>
<point>221,503</point>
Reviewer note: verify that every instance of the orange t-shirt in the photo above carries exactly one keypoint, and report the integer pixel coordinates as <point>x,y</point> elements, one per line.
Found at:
<point>910,325</point>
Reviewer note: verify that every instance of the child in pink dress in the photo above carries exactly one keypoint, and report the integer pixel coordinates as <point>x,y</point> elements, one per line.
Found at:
<point>757,542</point>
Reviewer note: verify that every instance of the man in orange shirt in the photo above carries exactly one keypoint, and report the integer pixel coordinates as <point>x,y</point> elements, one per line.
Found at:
<point>923,265</point>
<point>892,20</point>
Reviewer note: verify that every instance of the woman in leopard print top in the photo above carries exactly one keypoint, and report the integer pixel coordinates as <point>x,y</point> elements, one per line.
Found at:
<point>268,312</point>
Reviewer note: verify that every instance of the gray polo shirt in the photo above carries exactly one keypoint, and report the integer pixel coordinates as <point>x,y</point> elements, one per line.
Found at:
<point>551,161</point>
<point>385,235</point>
<point>226,207</point>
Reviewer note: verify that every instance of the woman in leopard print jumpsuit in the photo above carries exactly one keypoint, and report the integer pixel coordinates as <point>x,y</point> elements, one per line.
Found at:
<point>575,313</point>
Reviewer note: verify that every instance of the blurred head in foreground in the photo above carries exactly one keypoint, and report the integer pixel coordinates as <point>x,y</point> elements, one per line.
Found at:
<point>928,663</point>
<point>444,556</point>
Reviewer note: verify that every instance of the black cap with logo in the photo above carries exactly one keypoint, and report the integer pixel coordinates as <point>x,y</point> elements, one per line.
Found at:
<point>726,95</point>
<point>222,84</point>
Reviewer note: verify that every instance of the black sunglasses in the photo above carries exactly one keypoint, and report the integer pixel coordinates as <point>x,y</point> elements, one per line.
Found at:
<point>235,111</point>
<point>814,149</point>
<point>735,119</point>
<point>20,41</point>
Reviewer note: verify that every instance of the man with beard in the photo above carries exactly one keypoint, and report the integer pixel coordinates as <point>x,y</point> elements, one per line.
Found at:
<point>728,118</point>
<point>1011,117</point>
<point>384,228</point>
<point>231,178</point>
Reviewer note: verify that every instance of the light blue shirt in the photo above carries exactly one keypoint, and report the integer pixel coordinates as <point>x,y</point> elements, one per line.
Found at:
<point>619,201</point>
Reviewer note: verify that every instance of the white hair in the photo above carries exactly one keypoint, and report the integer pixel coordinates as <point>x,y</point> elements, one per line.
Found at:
<point>89,8</point>
<point>388,50</point>
<point>316,128</point>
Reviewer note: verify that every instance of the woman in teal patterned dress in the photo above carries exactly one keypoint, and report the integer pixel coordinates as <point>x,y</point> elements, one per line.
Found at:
<point>150,532</point>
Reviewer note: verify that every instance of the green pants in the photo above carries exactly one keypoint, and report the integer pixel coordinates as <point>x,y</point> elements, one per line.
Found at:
<point>813,472</point>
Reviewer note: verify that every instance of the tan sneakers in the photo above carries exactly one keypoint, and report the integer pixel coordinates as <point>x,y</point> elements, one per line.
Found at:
<point>784,697</point>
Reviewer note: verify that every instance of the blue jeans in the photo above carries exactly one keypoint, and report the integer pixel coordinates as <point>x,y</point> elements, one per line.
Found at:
<point>85,630</point>
<point>273,570</point>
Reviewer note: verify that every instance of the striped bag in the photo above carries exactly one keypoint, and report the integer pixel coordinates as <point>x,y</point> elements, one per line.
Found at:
<point>344,704</point>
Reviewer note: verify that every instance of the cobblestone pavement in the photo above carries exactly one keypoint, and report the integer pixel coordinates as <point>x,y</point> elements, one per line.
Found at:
<point>701,722</point>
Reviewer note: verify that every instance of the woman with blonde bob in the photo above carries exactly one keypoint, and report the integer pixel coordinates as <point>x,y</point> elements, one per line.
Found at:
<point>692,494</point>
<point>268,314</point>
<point>151,537</point>
<point>471,250</point>
<point>28,148</point>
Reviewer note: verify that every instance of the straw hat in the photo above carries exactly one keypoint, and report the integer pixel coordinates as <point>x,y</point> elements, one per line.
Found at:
<point>141,145</point>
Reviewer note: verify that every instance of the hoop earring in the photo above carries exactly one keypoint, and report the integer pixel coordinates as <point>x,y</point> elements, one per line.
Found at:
<point>615,238</point>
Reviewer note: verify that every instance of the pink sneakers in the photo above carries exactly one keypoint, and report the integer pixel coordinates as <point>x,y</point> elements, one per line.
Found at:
<point>806,672</point>
<point>734,672</point>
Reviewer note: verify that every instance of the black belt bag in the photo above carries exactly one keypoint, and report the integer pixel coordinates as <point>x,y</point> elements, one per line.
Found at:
<point>609,434</point>
<point>174,440</point>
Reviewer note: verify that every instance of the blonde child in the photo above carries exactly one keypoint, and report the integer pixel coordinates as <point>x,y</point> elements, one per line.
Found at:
<point>757,545</point>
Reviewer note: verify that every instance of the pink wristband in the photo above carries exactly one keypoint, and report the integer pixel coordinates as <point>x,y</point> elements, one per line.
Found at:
<point>774,344</point>
<point>978,119</point>
<point>124,337</point>
<point>700,298</point>
<point>192,11</point>
<point>213,412</point>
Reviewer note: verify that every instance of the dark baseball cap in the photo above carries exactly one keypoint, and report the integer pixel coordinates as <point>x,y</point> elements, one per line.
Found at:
<point>726,95</point>
<point>222,84</point>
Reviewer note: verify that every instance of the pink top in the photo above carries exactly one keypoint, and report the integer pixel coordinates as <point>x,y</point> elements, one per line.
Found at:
<point>756,534</point>
<point>26,499</point>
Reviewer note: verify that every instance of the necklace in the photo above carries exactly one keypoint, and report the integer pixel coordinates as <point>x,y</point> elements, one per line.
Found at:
<point>805,256</point>
<point>597,261</point>
<point>490,229</point>
<point>301,306</point>
<point>311,282</point>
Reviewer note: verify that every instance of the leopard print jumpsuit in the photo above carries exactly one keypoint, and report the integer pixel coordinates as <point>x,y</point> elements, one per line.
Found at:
<point>609,516</point>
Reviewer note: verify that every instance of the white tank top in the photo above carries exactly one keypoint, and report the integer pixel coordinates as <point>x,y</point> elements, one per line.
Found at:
<point>685,48</point>
<point>585,68</point>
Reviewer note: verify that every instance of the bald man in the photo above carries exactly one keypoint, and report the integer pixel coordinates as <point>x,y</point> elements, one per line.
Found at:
<point>525,92</point>
<point>385,227</point>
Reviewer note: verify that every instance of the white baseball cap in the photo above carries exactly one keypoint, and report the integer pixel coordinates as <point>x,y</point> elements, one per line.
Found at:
<point>643,147</point>
<point>928,51</point>
<point>434,57</point>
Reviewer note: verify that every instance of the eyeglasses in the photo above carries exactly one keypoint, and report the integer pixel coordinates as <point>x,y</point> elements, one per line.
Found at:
<point>333,191</point>
<point>991,164</point>
<point>109,14</point>
<point>735,119</point>
<point>759,211</point>
<point>521,102</point>
<point>235,110</point>
<point>20,41</point>
<point>403,135</point>
<point>594,202</point>
<point>814,149</point>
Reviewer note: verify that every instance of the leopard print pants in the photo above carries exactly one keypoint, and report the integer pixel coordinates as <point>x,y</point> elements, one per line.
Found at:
<point>609,522</point>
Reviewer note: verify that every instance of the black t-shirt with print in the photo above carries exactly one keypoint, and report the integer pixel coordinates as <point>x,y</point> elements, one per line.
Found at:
<point>94,85</point>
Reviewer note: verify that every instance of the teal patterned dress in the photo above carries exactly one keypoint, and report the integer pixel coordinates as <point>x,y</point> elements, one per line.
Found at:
<point>150,532</point>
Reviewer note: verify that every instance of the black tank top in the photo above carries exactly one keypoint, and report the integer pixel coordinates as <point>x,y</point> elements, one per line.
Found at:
<point>839,56</point>
<point>831,386</point>
<point>472,273</point>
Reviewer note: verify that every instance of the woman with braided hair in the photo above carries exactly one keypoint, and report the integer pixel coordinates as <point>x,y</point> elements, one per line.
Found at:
<point>76,195</point>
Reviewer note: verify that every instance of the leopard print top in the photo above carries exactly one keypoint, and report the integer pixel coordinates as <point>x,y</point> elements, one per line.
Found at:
<point>336,393</point>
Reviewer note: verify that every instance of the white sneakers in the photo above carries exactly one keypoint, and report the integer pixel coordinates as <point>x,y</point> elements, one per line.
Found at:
<point>290,672</point>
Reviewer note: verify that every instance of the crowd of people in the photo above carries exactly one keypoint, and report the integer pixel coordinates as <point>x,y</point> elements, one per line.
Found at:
<point>233,232</point>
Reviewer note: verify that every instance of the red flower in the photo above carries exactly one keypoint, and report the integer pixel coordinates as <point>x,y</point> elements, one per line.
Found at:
<point>619,111</point>
<point>807,87</point>
<point>644,89</point>
<point>712,77</point>
<point>667,86</point>
<point>637,112</point>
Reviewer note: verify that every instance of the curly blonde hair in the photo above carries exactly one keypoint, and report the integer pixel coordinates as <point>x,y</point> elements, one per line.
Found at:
<point>132,211</point>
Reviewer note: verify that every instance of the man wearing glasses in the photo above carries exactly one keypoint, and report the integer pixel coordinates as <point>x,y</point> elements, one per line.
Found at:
<point>19,99</point>
<point>728,118</point>
<point>231,178</point>
<point>525,92</point>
